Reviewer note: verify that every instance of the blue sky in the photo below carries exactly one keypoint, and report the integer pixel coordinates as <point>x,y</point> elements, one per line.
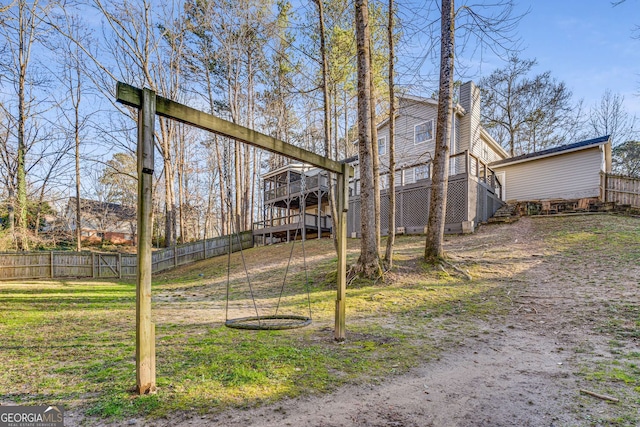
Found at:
<point>587,44</point>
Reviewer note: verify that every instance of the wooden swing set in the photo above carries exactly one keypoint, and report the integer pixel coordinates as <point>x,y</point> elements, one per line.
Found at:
<point>149,105</point>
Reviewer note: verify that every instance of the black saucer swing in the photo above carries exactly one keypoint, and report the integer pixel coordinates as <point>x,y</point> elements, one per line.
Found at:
<point>277,320</point>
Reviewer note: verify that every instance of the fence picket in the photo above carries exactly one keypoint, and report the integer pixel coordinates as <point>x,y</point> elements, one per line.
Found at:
<point>623,190</point>
<point>47,264</point>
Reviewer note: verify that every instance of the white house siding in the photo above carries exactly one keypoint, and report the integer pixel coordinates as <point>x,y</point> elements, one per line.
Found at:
<point>565,176</point>
<point>490,155</point>
<point>470,122</point>
<point>464,127</point>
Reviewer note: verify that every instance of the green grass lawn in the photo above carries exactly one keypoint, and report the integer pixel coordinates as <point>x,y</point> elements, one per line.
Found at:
<point>73,342</point>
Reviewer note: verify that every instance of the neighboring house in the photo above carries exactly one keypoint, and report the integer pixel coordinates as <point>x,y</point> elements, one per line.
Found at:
<point>474,192</point>
<point>567,172</point>
<point>103,221</point>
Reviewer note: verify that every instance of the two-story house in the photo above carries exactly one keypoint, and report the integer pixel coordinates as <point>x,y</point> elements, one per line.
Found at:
<point>474,191</point>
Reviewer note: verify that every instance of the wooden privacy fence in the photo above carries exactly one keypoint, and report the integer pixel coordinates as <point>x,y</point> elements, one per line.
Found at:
<point>622,190</point>
<point>41,265</point>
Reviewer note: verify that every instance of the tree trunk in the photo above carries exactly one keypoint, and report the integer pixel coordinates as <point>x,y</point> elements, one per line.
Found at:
<point>238,180</point>
<point>327,117</point>
<point>180,172</point>
<point>368,264</point>
<point>388,255</point>
<point>23,61</point>
<point>375,161</point>
<point>77,161</point>
<point>438,202</point>
<point>11,217</point>
<point>248,152</point>
<point>224,178</point>
<point>170,201</point>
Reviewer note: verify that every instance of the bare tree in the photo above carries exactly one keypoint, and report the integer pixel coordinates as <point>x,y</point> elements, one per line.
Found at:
<point>145,43</point>
<point>368,264</point>
<point>8,168</point>
<point>21,29</point>
<point>326,108</point>
<point>72,77</point>
<point>388,256</point>
<point>492,29</point>
<point>609,117</point>
<point>438,201</point>
<point>524,113</point>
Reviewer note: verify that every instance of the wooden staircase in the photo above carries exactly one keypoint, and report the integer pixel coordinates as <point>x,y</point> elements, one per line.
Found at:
<point>506,214</point>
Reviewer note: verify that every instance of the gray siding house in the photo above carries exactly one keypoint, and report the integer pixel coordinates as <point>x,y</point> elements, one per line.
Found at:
<point>481,176</point>
<point>295,196</point>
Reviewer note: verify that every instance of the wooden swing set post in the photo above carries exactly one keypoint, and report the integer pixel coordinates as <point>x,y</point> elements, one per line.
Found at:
<point>149,104</point>
<point>145,329</point>
<point>341,234</point>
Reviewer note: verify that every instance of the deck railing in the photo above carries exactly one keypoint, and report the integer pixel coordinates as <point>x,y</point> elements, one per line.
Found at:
<point>459,163</point>
<point>310,220</point>
<point>294,188</point>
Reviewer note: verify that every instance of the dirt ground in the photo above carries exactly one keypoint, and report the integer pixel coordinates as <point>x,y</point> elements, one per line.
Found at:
<point>519,369</point>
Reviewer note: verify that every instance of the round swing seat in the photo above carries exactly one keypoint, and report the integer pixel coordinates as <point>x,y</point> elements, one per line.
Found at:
<point>269,323</point>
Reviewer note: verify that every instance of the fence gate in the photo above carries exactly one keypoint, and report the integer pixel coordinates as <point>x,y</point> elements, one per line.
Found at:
<point>107,265</point>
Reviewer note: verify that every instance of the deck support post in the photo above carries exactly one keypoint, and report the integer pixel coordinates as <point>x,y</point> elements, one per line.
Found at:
<point>319,193</point>
<point>303,207</point>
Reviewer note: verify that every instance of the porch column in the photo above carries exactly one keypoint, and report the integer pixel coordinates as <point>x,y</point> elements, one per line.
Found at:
<point>288,220</point>
<point>319,224</point>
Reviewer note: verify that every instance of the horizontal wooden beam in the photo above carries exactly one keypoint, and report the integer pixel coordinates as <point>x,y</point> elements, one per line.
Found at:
<point>131,96</point>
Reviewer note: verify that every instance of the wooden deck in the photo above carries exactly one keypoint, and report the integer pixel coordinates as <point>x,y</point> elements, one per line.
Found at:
<point>290,227</point>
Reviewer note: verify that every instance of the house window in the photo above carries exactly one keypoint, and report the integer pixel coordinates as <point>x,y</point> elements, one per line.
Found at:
<point>422,172</point>
<point>409,176</point>
<point>423,132</point>
<point>382,146</point>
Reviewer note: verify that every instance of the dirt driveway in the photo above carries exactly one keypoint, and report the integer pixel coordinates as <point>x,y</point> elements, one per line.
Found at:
<point>571,325</point>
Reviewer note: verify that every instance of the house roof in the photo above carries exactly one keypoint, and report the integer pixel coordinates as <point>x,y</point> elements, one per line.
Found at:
<point>457,108</point>
<point>98,208</point>
<point>309,170</point>
<point>563,149</point>
<point>431,101</point>
<point>351,159</point>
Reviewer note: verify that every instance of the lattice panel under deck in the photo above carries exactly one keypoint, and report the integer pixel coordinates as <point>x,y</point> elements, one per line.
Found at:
<point>456,202</point>
<point>415,207</point>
